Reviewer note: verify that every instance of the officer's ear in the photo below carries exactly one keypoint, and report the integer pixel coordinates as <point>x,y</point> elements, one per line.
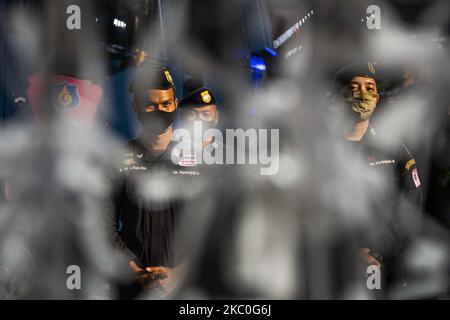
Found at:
<point>377,96</point>
<point>176,103</point>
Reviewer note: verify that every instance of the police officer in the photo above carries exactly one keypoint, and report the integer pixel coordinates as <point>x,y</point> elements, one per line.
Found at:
<point>199,113</point>
<point>144,209</point>
<point>200,105</point>
<point>398,199</point>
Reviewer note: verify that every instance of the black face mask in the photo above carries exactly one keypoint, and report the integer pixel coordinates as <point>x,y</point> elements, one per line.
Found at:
<point>156,122</point>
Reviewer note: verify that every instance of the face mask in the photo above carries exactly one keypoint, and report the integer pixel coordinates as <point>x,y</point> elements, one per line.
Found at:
<point>156,122</point>
<point>189,126</point>
<point>208,125</point>
<point>362,107</point>
<point>205,125</point>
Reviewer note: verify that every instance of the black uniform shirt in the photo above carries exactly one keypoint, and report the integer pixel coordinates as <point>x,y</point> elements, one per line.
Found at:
<point>145,207</point>
<point>398,198</point>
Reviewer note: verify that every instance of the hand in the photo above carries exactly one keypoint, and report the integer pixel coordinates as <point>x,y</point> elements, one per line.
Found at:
<point>368,258</point>
<point>134,266</point>
<point>167,277</point>
<point>143,277</point>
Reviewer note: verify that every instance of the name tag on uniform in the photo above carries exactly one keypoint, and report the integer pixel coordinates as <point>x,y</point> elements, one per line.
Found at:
<point>188,161</point>
<point>381,162</point>
<point>415,176</point>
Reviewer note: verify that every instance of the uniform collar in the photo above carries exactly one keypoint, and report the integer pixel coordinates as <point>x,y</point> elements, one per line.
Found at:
<point>142,152</point>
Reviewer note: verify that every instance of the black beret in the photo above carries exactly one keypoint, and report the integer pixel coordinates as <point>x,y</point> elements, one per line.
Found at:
<point>152,78</point>
<point>357,69</point>
<point>198,98</point>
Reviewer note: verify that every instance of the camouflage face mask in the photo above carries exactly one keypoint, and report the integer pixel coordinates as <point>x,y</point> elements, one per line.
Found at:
<point>362,105</point>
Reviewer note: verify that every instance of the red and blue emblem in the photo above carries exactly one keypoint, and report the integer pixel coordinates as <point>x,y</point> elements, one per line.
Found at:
<point>76,98</point>
<point>65,96</point>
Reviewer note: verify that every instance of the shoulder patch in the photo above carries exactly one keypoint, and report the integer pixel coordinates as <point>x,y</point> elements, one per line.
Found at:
<point>409,164</point>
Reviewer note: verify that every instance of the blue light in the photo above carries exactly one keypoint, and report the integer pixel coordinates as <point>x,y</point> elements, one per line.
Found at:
<point>257,63</point>
<point>273,53</point>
